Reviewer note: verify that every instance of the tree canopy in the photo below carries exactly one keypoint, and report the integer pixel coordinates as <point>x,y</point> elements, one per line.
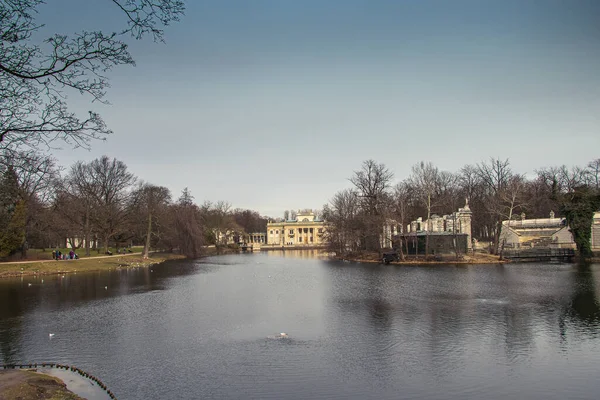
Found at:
<point>36,75</point>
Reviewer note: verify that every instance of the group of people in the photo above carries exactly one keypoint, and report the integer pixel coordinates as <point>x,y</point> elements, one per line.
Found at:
<point>58,255</point>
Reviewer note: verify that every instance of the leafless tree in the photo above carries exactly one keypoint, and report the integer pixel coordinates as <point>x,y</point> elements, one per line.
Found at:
<point>36,75</point>
<point>504,192</point>
<point>318,214</point>
<point>425,181</point>
<point>219,222</point>
<point>342,233</point>
<point>511,199</point>
<point>592,173</point>
<point>250,221</point>
<point>150,202</point>
<point>75,203</point>
<point>111,183</point>
<point>402,204</point>
<point>372,183</point>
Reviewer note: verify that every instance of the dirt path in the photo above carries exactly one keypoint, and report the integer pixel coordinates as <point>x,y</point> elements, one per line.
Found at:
<point>30,385</point>
<point>81,258</point>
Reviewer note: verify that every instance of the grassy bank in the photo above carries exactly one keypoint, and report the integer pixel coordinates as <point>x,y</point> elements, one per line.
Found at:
<point>30,385</point>
<point>103,263</point>
<point>46,254</point>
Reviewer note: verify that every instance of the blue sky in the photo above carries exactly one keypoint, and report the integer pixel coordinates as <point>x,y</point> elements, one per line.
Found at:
<point>271,105</point>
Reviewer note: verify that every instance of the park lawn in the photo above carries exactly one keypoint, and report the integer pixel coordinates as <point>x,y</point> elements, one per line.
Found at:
<point>46,267</point>
<point>46,254</point>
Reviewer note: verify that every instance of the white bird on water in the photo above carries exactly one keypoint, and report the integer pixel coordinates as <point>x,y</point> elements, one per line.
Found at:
<point>105,287</point>
<point>51,334</point>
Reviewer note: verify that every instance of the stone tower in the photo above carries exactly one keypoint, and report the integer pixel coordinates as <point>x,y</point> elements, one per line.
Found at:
<point>463,217</point>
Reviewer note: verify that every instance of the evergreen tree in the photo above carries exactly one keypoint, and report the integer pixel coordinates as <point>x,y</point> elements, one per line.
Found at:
<point>579,208</point>
<point>13,214</point>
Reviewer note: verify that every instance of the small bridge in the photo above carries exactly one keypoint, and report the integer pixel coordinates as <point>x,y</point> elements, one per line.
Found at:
<point>540,254</point>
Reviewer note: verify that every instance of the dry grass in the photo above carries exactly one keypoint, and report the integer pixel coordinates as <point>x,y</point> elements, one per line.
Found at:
<point>29,385</point>
<point>82,265</point>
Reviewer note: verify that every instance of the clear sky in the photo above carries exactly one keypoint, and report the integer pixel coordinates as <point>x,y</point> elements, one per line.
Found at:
<point>272,104</point>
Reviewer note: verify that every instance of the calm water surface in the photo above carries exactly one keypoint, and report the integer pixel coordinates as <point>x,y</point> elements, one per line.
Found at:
<point>200,330</point>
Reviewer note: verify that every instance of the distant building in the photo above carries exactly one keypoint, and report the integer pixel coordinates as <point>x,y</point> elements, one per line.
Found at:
<point>457,223</point>
<point>257,237</point>
<point>539,232</point>
<point>304,231</point>
<point>447,234</point>
<point>596,232</point>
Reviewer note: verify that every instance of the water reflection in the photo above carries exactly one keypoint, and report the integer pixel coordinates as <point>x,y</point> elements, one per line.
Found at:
<point>583,310</point>
<point>189,329</point>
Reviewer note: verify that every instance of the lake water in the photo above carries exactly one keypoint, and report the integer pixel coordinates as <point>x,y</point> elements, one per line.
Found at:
<point>205,329</point>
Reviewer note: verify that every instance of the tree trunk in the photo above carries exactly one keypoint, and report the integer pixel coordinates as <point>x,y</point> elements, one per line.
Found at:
<point>86,235</point>
<point>148,234</point>
<point>401,250</point>
<point>416,245</point>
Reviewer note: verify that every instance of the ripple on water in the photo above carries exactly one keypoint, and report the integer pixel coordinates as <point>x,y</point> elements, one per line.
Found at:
<point>199,330</point>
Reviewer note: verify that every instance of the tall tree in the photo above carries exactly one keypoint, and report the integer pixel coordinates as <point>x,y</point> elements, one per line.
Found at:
<point>495,176</point>
<point>12,214</point>
<point>35,73</point>
<point>425,181</point>
<point>579,206</point>
<point>250,221</point>
<point>37,175</point>
<point>187,229</point>
<point>402,202</point>
<point>342,233</point>
<point>372,183</point>
<point>111,183</point>
<point>150,204</point>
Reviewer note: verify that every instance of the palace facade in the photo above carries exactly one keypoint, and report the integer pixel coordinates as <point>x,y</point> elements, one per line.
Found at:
<point>303,231</point>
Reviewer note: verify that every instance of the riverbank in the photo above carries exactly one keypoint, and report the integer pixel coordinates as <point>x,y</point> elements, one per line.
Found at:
<point>32,385</point>
<point>104,263</point>
<point>476,258</point>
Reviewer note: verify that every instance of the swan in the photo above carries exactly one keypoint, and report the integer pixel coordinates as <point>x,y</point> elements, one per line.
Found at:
<point>51,335</point>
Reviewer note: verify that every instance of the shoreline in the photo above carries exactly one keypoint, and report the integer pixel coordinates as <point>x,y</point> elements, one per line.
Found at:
<point>475,259</point>
<point>91,264</point>
<point>96,264</point>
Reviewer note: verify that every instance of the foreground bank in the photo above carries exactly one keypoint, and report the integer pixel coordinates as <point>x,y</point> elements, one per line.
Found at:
<point>32,385</point>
